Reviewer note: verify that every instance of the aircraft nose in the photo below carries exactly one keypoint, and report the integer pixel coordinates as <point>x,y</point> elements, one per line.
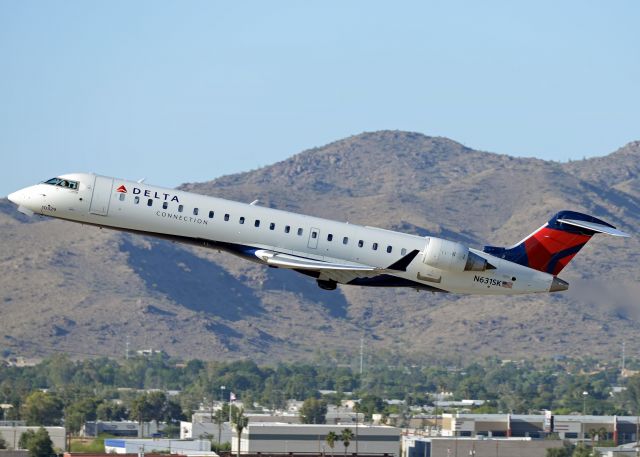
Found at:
<point>22,198</point>
<point>16,197</point>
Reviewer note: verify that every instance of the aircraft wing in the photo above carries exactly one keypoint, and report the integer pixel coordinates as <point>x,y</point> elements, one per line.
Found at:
<point>341,272</point>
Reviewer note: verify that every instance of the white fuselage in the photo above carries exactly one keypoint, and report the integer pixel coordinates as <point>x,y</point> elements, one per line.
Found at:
<point>245,229</point>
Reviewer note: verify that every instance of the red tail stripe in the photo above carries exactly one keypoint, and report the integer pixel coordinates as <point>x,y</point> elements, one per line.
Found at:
<point>546,242</point>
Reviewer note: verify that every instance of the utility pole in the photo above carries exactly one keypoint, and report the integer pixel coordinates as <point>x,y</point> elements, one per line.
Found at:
<point>361,356</point>
<point>623,359</point>
<point>126,351</point>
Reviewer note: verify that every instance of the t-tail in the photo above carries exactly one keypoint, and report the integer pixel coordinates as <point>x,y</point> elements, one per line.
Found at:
<point>552,246</point>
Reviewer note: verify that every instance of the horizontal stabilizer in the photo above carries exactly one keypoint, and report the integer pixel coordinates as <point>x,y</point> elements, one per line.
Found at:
<point>595,227</point>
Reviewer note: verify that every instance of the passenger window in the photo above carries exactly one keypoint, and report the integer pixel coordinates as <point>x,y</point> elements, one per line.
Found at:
<point>287,229</point>
<point>272,226</point>
<point>314,235</point>
<point>330,237</point>
<point>165,205</point>
<point>242,219</point>
<point>345,240</point>
<point>210,214</point>
<point>299,232</point>
<point>195,211</point>
<point>136,200</point>
<point>403,251</point>
<point>360,243</point>
<point>374,246</point>
<point>256,223</point>
<point>226,217</point>
<point>150,202</point>
<point>389,249</point>
<point>121,197</point>
<point>180,208</point>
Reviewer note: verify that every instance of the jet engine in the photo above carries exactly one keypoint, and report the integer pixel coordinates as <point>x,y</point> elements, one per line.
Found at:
<point>451,256</point>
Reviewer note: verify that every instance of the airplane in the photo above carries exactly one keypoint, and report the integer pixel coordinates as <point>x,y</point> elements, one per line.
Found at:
<point>332,252</point>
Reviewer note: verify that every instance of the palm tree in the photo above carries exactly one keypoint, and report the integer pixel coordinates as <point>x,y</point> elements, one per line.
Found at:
<point>603,434</point>
<point>592,434</point>
<point>240,421</point>
<point>331,439</point>
<point>218,418</point>
<point>346,436</point>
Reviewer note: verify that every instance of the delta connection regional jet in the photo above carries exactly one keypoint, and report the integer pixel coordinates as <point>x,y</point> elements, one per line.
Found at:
<point>329,251</point>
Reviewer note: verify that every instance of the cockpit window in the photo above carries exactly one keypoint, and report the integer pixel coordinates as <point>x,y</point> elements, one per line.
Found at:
<point>63,183</point>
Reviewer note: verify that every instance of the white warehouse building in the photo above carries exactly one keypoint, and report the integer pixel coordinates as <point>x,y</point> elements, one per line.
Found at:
<point>280,438</point>
<point>140,445</point>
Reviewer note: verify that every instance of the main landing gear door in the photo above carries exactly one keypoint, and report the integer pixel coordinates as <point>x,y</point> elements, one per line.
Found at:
<point>101,198</point>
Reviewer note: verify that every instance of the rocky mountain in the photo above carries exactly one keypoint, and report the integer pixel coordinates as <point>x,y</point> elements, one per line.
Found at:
<point>87,291</point>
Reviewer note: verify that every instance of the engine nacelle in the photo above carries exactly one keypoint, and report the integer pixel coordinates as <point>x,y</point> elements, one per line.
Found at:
<point>451,256</point>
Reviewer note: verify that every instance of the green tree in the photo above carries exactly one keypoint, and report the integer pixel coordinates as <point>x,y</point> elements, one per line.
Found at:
<point>110,411</point>
<point>40,408</point>
<point>331,438</point>
<point>564,451</point>
<point>221,447</point>
<point>369,405</point>
<point>38,443</point>
<point>25,439</point>
<point>346,436</point>
<point>240,421</point>
<point>582,451</point>
<point>148,407</point>
<point>313,411</point>
<point>77,413</point>
<point>155,406</point>
<point>172,411</point>
<point>632,395</point>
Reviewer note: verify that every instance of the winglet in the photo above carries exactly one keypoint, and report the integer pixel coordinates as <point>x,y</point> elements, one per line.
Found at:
<point>403,263</point>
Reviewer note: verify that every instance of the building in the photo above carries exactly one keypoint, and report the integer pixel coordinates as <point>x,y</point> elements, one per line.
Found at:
<point>83,454</point>
<point>220,433</point>
<point>458,403</point>
<point>338,415</point>
<point>483,447</point>
<point>626,450</point>
<point>121,428</point>
<point>619,429</point>
<point>5,453</point>
<point>276,438</point>
<point>12,434</point>
<point>146,446</point>
<point>203,425</point>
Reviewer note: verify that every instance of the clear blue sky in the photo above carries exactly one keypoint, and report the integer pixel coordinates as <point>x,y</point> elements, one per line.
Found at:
<point>188,91</point>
